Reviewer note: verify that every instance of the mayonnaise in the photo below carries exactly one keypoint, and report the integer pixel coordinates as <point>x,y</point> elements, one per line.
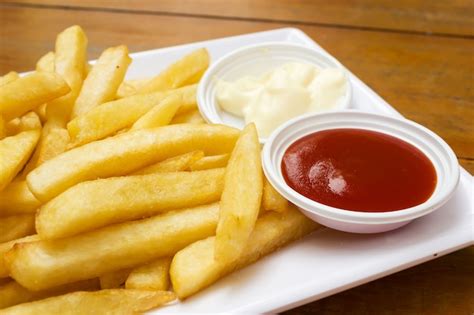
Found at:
<point>281,94</point>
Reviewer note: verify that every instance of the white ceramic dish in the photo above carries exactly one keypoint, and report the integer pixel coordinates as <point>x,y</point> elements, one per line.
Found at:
<point>440,154</point>
<point>316,266</point>
<point>255,60</point>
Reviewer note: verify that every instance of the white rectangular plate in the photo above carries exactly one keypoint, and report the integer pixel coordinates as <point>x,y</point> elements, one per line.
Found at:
<point>327,261</point>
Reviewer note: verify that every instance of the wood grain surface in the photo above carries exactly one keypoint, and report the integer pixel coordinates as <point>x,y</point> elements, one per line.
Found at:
<point>418,55</point>
<point>432,17</point>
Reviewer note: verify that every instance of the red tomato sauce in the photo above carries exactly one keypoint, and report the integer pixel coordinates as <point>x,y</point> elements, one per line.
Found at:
<point>359,170</point>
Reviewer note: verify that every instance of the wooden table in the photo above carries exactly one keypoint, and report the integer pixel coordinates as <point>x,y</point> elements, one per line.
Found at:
<point>418,55</point>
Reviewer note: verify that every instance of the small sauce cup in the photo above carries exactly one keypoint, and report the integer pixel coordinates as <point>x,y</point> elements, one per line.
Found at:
<point>255,60</point>
<point>435,149</point>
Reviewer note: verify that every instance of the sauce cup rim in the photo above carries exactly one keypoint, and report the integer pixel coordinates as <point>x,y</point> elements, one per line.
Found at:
<point>248,55</point>
<point>445,163</point>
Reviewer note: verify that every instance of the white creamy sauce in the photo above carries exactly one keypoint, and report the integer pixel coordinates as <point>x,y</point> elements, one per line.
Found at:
<point>281,94</point>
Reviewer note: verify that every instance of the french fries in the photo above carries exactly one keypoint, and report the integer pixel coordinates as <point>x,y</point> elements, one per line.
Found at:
<point>114,279</point>
<point>152,276</point>
<point>160,115</point>
<point>188,96</point>
<point>190,117</point>
<point>46,62</point>
<point>177,75</point>
<point>12,293</point>
<point>125,153</point>
<point>9,77</point>
<point>208,162</point>
<point>3,128</point>
<point>29,92</point>
<point>14,152</point>
<point>29,121</point>
<point>194,267</point>
<point>130,87</point>
<point>113,301</point>
<point>102,202</point>
<point>271,199</point>
<point>16,226</point>
<point>175,164</point>
<point>241,198</point>
<point>108,118</point>
<point>5,247</point>
<point>128,189</point>
<point>16,198</point>
<point>45,264</point>
<point>69,62</point>
<point>102,82</point>
<point>53,141</point>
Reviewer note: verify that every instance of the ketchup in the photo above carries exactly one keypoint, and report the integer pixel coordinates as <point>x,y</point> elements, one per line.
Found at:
<point>359,170</point>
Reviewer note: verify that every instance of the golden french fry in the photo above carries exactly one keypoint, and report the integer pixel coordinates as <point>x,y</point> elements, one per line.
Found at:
<point>113,301</point>
<point>114,279</point>
<point>9,77</point>
<point>126,153</point>
<point>189,99</point>
<point>195,78</point>
<point>44,264</point>
<point>94,204</point>
<point>161,114</point>
<point>175,164</point>
<point>12,293</point>
<point>3,128</point>
<point>53,141</point>
<point>16,198</point>
<point>271,199</point>
<point>102,82</point>
<point>108,118</point>
<point>41,112</point>
<point>28,92</point>
<point>46,62</point>
<point>130,87</point>
<point>208,162</point>
<point>190,117</point>
<point>194,267</point>
<point>178,73</point>
<point>152,276</point>
<point>29,121</point>
<point>5,247</point>
<point>87,69</point>
<point>12,127</point>
<point>241,198</point>
<point>16,226</point>
<point>69,62</point>
<point>14,152</point>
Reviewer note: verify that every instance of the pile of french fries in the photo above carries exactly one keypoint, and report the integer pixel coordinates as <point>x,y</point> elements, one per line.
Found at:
<point>116,196</point>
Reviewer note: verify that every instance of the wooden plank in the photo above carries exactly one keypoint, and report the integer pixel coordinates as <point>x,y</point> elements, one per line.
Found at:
<point>425,16</point>
<point>468,165</point>
<point>425,78</point>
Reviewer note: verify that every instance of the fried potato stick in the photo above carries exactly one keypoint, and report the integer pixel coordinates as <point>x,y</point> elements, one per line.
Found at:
<point>241,197</point>
<point>113,301</point>
<point>94,204</point>
<point>194,267</point>
<point>126,153</point>
<point>45,264</point>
